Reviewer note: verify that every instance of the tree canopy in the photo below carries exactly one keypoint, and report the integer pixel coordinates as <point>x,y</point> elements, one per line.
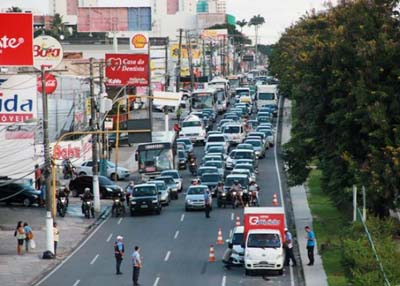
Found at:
<point>341,70</point>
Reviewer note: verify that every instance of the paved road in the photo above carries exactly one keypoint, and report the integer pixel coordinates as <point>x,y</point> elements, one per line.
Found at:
<point>175,245</point>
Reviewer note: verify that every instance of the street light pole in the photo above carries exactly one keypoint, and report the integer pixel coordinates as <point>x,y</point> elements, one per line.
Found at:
<point>50,193</point>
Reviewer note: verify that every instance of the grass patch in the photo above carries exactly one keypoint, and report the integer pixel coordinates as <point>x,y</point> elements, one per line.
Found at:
<point>330,226</point>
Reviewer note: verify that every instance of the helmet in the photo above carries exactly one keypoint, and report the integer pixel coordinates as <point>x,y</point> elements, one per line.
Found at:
<point>87,190</point>
<point>236,182</point>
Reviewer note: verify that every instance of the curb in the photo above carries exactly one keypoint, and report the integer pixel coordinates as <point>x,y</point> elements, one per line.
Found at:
<point>101,217</point>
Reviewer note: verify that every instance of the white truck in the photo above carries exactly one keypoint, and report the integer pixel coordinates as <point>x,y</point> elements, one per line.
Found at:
<point>264,237</point>
<point>267,95</point>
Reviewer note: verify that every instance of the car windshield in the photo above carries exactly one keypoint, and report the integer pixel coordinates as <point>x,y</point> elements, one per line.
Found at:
<point>241,155</point>
<point>184,141</point>
<point>210,178</point>
<point>206,170</point>
<point>266,96</point>
<point>217,164</point>
<point>216,139</point>
<point>263,240</point>
<point>167,180</point>
<point>245,167</point>
<point>196,191</point>
<point>242,92</point>
<point>245,146</point>
<point>243,181</point>
<point>191,123</point>
<point>174,175</point>
<point>237,239</point>
<point>255,143</point>
<point>105,181</point>
<point>160,186</point>
<point>216,149</point>
<point>220,95</point>
<point>231,129</point>
<point>181,155</point>
<point>144,191</point>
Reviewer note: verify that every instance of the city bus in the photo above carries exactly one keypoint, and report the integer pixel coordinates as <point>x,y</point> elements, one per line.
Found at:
<point>204,99</point>
<point>156,156</point>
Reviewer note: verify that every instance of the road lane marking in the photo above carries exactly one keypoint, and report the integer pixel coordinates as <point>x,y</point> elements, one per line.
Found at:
<point>280,181</point>
<point>72,253</point>
<point>232,216</point>
<point>109,237</point>
<point>94,259</point>
<point>230,233</point>
<point>156,282</point>
<point>223,283</point>
<point>182,217</point>
<point>76,282</point>
<point>120,220</point>
<point>176,234</point>
<point>167,255</point>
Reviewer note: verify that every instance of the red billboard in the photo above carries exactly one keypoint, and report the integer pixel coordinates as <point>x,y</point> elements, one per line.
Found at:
<point>16,39</point>
<point>127,69</point>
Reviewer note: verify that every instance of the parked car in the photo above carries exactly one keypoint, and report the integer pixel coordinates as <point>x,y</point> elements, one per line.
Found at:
<point>85,169</point>
<point>107,187</point>
<point>123,139</point>
<point>18,192</point>
<point>145,197</point>
<point>195,197</point>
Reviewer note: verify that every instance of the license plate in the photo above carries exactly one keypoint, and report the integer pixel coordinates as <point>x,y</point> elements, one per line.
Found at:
<point>193,138</point>
<point>144,206</point>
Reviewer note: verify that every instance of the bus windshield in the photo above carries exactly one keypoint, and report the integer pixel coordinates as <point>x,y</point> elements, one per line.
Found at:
<point>203,100</point>
<point>155,160</point>
<point>221,95</point>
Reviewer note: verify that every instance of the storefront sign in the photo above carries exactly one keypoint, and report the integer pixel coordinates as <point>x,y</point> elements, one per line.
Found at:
<point>139,42</point>
<point>50,84</point>
<point>127,69</point>
<point>16,33</point>
<point>47,52</point>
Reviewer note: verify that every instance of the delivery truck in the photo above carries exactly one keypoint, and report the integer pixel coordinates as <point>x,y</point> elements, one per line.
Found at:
<point>264,233</point>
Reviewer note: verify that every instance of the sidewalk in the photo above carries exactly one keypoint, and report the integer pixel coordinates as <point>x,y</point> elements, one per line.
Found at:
<point>314,275</point>
<point>27,268</point>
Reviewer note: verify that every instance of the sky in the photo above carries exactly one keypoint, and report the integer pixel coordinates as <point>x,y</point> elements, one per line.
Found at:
<point>279,14</point>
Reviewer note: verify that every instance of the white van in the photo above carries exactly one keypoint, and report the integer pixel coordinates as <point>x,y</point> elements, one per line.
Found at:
<point>267,94</point>
<point>192,127</point>
<point>234,132</point>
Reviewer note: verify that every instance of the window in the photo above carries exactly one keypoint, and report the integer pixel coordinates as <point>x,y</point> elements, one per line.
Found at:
<point>139,19</point>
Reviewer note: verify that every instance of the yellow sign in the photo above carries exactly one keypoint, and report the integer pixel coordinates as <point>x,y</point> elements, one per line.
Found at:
<point>174,51</point>
<point>139,41</point>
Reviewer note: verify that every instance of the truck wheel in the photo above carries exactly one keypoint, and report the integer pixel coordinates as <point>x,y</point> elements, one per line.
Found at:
<point>247,272</point>
<point>280,272</point>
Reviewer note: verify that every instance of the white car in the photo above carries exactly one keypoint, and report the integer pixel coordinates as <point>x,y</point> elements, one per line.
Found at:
<point>237,154</point>
<point>237,241</point>
<point>195,197</point>
<point>217,139</point>
<point>177,177</point>
<point>235,133</point>
<point>85,169</point>
<point>192,127</point>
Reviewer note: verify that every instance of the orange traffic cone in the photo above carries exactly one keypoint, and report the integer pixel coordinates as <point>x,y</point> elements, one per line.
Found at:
<point>275,200</point>
<point>219,238</point>
<point>237,221</point>
<point>211,257</point>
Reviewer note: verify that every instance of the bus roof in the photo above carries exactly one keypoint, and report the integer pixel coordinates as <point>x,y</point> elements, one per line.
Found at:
<point>160,137</point>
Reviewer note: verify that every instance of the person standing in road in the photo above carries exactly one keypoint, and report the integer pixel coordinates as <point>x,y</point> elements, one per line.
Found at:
<point>137,265</point>
<point>129,192</point>
<point>310,245</point>
<point>20,235</point>
<point>38,177</point>
<point>56,237</point>
<point>28,235</point>
<point>207,203</point>
<point>289,248</point>
<point>119,253</point>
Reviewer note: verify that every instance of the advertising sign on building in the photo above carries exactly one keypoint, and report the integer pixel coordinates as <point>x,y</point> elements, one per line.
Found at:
<point>18,99</point>
<point>214,35</point>
<point>47,52</point>
<point>127,69</point>
<point>139,42</point>
<point>80,150</point>
<point>16,33</point>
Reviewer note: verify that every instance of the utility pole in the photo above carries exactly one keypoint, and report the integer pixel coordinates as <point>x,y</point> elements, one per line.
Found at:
<point>178,65</point>
<point>227,56</point>
<point>222,65</point>
<point>103,168</point>
<point>93,127</point>
<point>210,62</point>
<point>203,49</point>
<point>189,48</point>
<point>50,193</point>
<point>166,62</point>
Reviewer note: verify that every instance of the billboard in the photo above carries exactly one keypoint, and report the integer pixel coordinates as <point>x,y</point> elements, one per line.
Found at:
<point>18,99</point>
<point>214,35</point>
<point>127,69</point>
<point>174,51</point>
<point>16,40</point>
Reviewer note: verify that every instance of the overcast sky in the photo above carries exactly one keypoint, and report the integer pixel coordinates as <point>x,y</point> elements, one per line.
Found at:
<point>279,14</point>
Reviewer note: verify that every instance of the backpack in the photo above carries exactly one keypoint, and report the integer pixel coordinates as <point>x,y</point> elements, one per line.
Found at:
<point>48,255</point>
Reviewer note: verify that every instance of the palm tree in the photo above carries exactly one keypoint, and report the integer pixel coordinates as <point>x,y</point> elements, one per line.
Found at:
<point>256,21</point>
<point>241,24</point>
<point>14,9</point>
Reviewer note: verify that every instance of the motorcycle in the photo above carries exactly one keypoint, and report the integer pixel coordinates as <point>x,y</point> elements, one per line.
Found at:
<point>88,208</point>
<point>118,208</point>
<point>226,198</point>
<point>253,201</point>
<point>245,198</point>
<point>193,168</point>
<point>62,205</point>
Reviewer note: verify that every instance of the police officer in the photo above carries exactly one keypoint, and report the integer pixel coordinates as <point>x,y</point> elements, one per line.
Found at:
<point>119,250</point>
<point>207,203</point>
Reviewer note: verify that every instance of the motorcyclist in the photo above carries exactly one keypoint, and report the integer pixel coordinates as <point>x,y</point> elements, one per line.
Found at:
<point>236,187</point>
<point>67,168</point>
<point>192,163</point>
<point>129,191</point>
<point>254,189</point>
<point>63,192</point>
<point>220,188</point>
<point>87,197</point>
<point>195,182</point>
<point>120,196</point>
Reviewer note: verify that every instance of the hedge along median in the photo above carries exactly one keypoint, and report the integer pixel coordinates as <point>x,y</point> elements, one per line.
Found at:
<point>346,253</point>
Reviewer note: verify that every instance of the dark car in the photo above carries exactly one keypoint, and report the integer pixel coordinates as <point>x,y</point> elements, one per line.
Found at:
<point>182,157</point>
<point>123,139</point>
<point>145,197</point>
<point>107,187</point>
<point>211,181</point>
<point>21,193</point>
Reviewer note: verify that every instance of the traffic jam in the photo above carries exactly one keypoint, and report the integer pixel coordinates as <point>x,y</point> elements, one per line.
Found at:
<point>228,129</point>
